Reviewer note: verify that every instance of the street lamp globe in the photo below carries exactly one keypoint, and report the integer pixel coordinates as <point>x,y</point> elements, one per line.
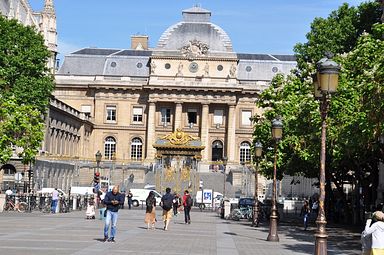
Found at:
<point>327,75</point>
<point>258,149</point>
<point>277,129</point>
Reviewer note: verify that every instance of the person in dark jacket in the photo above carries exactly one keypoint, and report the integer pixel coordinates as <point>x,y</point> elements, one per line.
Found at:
<point>187,203</point>
<point>113,200</point>
<point>166,204</point>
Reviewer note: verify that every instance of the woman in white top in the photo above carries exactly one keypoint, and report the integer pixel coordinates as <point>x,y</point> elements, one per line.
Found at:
<point>376,230</point>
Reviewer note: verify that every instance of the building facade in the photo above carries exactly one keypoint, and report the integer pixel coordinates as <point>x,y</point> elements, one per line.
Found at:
<point>191,80</point>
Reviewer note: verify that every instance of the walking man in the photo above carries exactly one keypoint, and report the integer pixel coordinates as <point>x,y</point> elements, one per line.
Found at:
<point>187,203</point>
<point>113,200</point>
<point>55,199</point>
<point>166,204</point>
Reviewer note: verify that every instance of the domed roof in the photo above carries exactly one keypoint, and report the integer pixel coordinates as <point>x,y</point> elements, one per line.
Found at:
<point>196,26</point>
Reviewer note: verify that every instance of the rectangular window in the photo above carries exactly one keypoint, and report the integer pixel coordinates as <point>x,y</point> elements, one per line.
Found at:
<point>111,113</point>
<point>192,116</point>
<point>246,118</point>
<point>218,117</point>
<point>137,114</point>
<point>165,115</point>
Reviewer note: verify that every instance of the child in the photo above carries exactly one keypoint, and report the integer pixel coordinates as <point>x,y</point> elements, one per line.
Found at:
<point>90,213</point>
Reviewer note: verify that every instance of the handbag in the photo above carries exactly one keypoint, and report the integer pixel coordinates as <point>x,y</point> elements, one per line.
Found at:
<point>105,213</point>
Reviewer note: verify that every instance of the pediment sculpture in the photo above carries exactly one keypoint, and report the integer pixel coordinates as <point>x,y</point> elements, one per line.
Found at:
<point>195,48</point>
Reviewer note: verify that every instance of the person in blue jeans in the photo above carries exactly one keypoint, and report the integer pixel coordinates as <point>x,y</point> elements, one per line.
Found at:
<point>113,201</point>
<point>305,213</point>
<point>55,199</point>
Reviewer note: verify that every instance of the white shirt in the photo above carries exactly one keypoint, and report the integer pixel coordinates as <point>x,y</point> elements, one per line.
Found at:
<point>377,232</point>
<point>8,192</point>
<point>55,195</point>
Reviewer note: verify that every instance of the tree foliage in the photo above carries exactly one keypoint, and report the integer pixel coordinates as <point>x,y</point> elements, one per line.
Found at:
<point>25,87</point>
<point>355,121</point>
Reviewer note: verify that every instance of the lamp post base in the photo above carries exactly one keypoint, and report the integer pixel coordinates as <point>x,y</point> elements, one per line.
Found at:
<point>321,236</point>
<point>273,237</point>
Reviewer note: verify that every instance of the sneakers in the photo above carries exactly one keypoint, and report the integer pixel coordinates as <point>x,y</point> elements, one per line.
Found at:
<point>105,239</point>
<point>111,240</point>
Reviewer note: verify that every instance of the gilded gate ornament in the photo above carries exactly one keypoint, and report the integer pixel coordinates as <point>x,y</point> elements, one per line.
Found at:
<point>169,174</point>
<point>179,137</point>
<point>185,174</point>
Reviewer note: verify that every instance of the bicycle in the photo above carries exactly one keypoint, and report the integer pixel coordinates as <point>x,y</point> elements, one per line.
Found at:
<point>11,206</point>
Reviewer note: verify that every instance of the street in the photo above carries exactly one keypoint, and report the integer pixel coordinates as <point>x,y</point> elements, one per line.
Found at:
<point>71,233</point>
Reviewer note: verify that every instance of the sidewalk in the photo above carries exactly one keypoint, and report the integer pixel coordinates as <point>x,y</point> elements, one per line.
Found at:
<point>35,233</point>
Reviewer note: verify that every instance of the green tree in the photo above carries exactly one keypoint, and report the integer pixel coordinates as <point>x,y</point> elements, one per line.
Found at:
<point>25,87</point>
<point>354,122</point>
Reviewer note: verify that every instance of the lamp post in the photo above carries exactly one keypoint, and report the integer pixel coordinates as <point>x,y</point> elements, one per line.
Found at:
<point>277,133</point>
<point>326,83</point>
<point>258,151</point>
<point>225,160</point>
<point>113,158</point>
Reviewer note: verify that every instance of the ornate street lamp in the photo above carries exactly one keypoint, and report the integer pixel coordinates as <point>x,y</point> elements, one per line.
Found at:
<point>326,83</point>
<point>277,133</point>
<point>225,160</point>
<point>258,147</point>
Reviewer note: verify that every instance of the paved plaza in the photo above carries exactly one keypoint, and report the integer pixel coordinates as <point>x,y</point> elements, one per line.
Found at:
<point>71,233</point>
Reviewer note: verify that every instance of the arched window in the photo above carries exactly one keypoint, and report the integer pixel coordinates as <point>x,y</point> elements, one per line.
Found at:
<point>245,152</point>
<point>8,169</point>
<point>217,150</point>
<point>109,147</point>
<point>136,149</point>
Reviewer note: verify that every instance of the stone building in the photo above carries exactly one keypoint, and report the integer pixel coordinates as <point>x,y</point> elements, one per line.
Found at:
<point>192,79</point>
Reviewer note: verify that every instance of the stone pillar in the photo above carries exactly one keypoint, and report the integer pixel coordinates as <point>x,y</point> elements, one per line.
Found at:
<point>231,126</point>
<point>204,130</point>
<point>178,116</point>
<point>151,131</point>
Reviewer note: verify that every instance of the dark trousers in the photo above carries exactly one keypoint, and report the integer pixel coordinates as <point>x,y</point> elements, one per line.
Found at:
<point>175,209</point>
<point>186,214</point>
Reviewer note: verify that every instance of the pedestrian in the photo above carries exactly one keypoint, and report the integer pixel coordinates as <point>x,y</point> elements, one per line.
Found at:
<point>166,204</point>
<point>55,199</point>
<point>187,203</point>
<point>90,212</point>
<point>376,231</point>
<point>315,209</point>
<point>113,200</point>
<point>150,211</point>
<point>175,204</point>
<point>129,196</point>
<point>305,213</point>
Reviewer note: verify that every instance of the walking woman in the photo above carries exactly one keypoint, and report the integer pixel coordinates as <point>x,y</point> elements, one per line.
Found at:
<point>376,232</point>
<point>305,213</point>
<point>150,212</point>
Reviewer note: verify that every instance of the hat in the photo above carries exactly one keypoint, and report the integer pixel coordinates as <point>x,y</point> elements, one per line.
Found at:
<point>379,215</point>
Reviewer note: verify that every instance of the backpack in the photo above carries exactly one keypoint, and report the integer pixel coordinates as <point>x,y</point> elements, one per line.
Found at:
<point>189,201</point>
<point>167,203</point>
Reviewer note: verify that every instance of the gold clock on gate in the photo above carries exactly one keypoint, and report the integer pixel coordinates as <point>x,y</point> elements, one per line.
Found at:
<point>193,67</point>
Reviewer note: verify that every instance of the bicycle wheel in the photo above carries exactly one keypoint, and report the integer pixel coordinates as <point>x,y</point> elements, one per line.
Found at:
<point>7,207</point>
<point>22,206</point>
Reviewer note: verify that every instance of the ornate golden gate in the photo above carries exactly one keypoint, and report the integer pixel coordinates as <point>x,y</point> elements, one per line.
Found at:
<point>177,162</point>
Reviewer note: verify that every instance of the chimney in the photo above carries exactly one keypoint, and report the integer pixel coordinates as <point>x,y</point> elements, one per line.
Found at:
<point>139,42</point>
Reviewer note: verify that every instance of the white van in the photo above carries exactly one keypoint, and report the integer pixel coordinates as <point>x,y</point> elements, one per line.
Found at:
<point>208,197</point>
<point>50,190</point>
<point>81,190</point>
<point>140,195</point>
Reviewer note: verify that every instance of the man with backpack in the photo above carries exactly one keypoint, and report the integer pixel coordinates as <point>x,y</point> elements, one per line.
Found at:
<point>187,203</point>
<point>166,204</point>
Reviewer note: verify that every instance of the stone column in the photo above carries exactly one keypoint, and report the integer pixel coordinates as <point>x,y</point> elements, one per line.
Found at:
<point>231,127</point>
<point>151,136</point>
<point>204,130</point>
<point>178,116</point>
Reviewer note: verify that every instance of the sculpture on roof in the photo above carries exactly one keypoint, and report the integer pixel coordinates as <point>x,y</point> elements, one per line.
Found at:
<point>195,48</point>
<point>153,67</point>
<point>232,71</point>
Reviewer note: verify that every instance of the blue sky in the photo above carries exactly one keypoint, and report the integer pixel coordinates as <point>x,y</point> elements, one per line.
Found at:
<point>254,26</point>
